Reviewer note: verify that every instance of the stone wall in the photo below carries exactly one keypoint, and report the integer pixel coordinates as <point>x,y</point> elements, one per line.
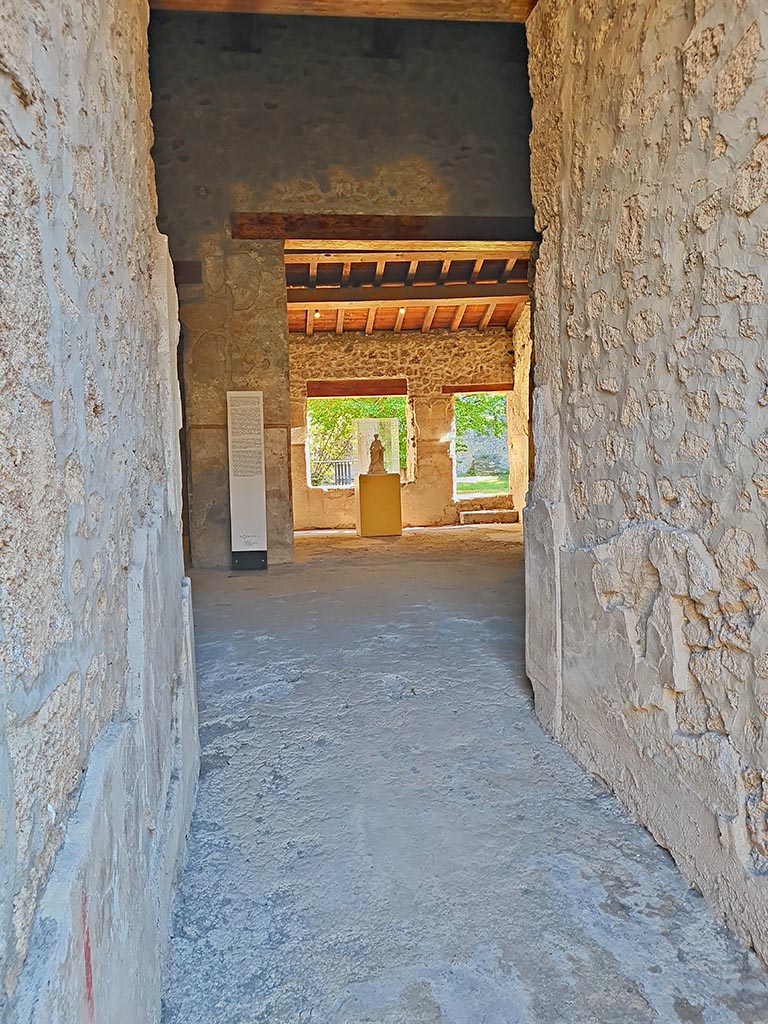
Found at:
<point>428,362</point>
<point>235,331</point>
<point>98,740</point>
<point>647,565</point>
<point>301,116</point>
<point>309,121</point>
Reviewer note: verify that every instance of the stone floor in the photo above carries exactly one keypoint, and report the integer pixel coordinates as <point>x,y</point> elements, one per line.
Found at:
<point>383,833</point>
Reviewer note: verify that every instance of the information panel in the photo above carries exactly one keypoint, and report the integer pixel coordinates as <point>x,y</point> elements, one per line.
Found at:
<point>247,484</point>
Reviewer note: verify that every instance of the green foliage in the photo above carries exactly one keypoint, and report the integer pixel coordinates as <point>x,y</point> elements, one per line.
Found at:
<point>331,429</point>
<point>482,412</point>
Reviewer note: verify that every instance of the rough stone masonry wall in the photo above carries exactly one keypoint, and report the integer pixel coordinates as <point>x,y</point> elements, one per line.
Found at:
<point>647,566</point>
<point>427,361</point>
<point>307,119</point>
<point>98,740</point>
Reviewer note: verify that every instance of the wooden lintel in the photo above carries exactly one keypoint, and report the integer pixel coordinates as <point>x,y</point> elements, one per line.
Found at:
<point>416,296</point>
<point>419,10</point>
<point>357,388</point>
<point>361,227</point>
<point>465,389</point>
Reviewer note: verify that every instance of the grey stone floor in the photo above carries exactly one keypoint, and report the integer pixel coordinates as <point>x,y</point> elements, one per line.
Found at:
<point>384,834</point>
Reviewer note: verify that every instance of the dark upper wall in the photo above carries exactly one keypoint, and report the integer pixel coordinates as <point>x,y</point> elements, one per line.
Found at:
<point>313,123</point>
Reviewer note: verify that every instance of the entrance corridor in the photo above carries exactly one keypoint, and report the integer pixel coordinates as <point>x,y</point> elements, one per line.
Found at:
<point>384,834</point>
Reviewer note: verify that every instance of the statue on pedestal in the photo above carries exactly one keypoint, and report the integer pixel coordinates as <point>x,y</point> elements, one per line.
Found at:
<point>377,456</point>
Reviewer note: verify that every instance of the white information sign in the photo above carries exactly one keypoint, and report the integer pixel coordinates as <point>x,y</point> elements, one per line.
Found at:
<point>247,485</point>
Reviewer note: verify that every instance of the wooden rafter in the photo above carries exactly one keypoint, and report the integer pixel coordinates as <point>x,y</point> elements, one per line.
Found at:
<point>516,314</point>
<point>508,268</point>
<point>476,270</point>
<point>490,309</point>
<point>340,321</point>
<point>399,319</point>
<point>458,316</point>
<point>370,320</point>
<point>388,296</point>
<point>428,318</point>
<point>435,10</point>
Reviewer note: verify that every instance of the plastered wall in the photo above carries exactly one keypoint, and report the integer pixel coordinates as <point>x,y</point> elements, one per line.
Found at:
<point>300,115</point>
<point>98,740</point>
<point>647,568</point>
<point>428,362</point>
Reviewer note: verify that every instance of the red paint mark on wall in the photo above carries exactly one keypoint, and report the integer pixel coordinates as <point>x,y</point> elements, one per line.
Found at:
<point>87,966</point>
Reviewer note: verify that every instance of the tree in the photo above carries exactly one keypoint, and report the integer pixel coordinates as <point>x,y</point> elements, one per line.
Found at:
<point>482,412</point>
<point>331,429</point>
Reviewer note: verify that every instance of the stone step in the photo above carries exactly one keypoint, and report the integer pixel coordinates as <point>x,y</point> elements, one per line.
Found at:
<point>489,515</point>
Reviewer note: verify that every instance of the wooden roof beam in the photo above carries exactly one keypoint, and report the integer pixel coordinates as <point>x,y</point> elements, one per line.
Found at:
<point>389,296</point>
<point>337,250</point>
<point>490,309</point>
<point>432,10</point>
<point>429,317</point>
<point>516,314</point>
<point>458,316</point>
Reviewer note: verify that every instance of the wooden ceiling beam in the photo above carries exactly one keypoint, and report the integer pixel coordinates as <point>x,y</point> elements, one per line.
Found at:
<point>430,316</point>
<point>370,320</point>
<point>476,270</point>
<point>417,296</point>
<point>399,319</point>
<point>340,321</point>
<point>361,227</point>
<point>506,273</point>
<point>430,10</point>
<point>516,314</point>
<point>490,309</point>
<point>458,316</point>
<point>337,250</point>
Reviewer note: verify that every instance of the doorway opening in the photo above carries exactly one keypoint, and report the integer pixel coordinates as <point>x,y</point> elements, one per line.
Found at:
<point>480,444</point>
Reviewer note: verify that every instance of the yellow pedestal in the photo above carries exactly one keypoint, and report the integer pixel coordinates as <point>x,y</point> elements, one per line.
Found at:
<point>377,501</point>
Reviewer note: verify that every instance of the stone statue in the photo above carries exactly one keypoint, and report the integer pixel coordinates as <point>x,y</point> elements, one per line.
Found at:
<point>377,456</point>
